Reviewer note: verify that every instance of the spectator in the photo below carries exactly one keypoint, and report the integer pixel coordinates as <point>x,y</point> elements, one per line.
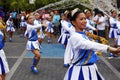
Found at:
<point>56,19</point>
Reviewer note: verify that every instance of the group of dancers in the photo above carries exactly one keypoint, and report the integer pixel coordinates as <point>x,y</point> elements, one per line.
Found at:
<point>80,50</point>
<point>80,53</point>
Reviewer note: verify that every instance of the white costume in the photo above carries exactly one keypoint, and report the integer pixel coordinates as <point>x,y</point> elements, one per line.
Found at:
<point>4,68</point>
<point>66,30</point>
<point>32,36</point>
<point>23,22</point>
<point>113,28</point>
<point>49,28</point>
<point>41,35</point>
<point>10,26</point>
<point>83,58</point>
<point>118,33</point>
<point>90,24</point>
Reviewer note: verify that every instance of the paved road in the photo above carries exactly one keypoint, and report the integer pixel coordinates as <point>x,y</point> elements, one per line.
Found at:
<point>51,63</point>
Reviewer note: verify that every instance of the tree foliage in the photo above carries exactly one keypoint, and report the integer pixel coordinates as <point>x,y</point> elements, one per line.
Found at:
<point>24,4</point>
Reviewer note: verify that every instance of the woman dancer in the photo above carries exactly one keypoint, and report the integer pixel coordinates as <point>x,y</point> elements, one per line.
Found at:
<point>33,43</point>
<point>82,51</point>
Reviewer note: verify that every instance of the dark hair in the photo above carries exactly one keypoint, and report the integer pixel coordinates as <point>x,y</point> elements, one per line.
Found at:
<point>118,14</point>
<point>96,10</point>
<point>69,15</point>
<point>74,13</point>
<point>100,12</point>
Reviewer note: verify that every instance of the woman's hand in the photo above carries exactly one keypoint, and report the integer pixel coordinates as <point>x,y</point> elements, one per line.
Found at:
<point>115,51</point>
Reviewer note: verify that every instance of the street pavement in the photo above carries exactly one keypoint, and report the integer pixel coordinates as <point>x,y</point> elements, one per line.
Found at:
<point>51,63</point>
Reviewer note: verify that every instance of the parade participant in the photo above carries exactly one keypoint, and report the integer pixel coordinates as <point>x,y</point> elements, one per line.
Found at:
<point>4,68</point>
<point>56,19</point>
<point>118,34</point>
<point>49,29</point>
<point>66,29</point>
<point>10,28</point>
<point>40,31</point>
<point>22,24</point>
<point>113,28</point>
<point>90,23</point>
<point>82,51</point>
<point>32,43</point>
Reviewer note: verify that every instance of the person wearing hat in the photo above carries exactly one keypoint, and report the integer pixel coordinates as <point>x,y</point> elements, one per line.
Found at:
<point>90,23</point>
<point>82,51</point>
<point>113,28</point>
<point>33,43</point>
<point>40,31</point>
<point>66,31</point>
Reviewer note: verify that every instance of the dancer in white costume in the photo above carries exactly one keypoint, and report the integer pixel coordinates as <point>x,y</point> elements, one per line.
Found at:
<point>39,31</point>
<point>118,34</point>
<point>113,28</point>
<point>113,25</point>
<point>4,68</point>
<point>10,28</point>
<point>90,23</point>
<point>49,29</point>
<point>33,43</point>
<point>22,24</point>
<point>82,50</point>
<point>66,30</point>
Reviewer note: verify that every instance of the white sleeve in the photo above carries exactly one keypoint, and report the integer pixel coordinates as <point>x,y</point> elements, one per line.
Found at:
<point>36,26</point>
<point>81,43</point>
<point>7,23</point>
<point>31,27</point>
<point>112,21</point>
<point>67,54</point>
<point>65,25</point>
<point>90,27</point>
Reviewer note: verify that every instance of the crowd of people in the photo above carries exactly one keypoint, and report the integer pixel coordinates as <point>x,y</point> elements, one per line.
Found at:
<point>77,31</point>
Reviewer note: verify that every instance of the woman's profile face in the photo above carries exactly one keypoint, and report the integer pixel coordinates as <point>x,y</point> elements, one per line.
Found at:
<point>37,16</point>
<point>80,21</point>
<point>88,14</point>
<point>30,19</point>
<point>114,14</point>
